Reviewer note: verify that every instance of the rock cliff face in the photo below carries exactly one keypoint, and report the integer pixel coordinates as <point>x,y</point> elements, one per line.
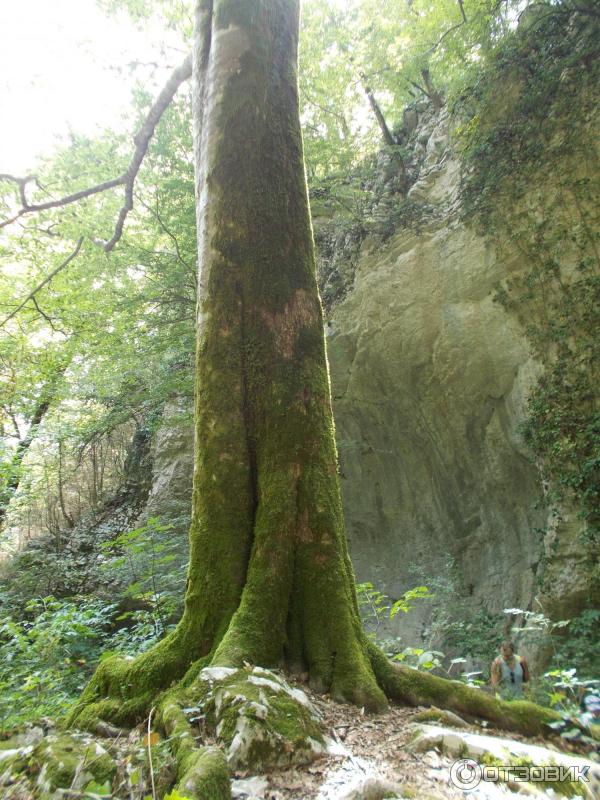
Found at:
<point>430,379</point>
<point>172,464</point>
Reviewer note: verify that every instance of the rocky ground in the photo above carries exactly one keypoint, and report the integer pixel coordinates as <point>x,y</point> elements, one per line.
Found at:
<point>377,757</point>
<point>403,753</point>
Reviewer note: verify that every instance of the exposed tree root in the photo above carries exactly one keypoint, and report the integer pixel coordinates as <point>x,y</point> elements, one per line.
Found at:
<point>117,695</point>
<point>411,687</point>
<point>201,772</point>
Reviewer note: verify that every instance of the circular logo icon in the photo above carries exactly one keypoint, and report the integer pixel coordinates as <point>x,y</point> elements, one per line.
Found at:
<point>465,774</point>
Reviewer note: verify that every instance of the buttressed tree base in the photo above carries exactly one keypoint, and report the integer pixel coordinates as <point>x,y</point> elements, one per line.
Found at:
<point>270,582</point>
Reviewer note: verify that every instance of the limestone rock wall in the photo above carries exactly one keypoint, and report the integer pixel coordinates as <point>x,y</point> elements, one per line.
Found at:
<point>173,463</point>
<point>430,377</point>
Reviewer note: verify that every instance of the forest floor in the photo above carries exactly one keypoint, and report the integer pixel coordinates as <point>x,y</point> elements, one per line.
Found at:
<point>370,757</point>
<point>370,751</point>
<point>373,757</point>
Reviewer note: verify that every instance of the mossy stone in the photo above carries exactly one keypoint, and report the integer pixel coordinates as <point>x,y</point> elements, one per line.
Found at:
<point>66,761</point>
<point>262,721</point>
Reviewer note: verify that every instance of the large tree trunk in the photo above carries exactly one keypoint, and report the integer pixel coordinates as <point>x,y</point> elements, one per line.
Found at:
<point>270,581</point>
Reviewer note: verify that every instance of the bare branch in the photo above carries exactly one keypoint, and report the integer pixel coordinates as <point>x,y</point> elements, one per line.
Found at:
<point>49,319</point>
<point>21,182</point>
<point>127,179</point>
<point>416,86</point>
<point>46,280</point>
<point>169,233</point>
<point>341,119</point>
<point>29,208</point>
<point>142,140</point>
<point>13,419</point>
<point>434,47</point>
<point>431,92</point>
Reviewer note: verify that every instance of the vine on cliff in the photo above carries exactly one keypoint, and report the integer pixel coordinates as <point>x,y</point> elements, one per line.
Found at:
<point>531,182</point>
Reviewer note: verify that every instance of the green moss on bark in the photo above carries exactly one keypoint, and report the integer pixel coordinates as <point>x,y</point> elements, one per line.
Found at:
<point>206,775</point>
<point>201,772</point>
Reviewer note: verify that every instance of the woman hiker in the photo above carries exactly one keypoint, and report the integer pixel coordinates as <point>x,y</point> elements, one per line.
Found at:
<point>509,672</point>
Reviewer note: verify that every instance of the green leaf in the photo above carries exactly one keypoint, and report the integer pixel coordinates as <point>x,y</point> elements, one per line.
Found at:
<point>99,789</point>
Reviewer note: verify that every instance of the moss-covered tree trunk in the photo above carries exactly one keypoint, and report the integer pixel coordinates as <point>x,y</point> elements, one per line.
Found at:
<point>270,581</point>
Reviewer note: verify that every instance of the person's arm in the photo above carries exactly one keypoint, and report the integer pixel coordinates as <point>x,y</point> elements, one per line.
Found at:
<point>525,668</point>
<point>495,674</point>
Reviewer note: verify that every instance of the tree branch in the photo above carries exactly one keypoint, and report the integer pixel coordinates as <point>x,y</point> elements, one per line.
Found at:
<point>169,233</point>
<point>341,119</point>
<point>13,419</point>
<point>431,92</point>
<point>376,109</point>
<point>46,280</point>
<point>126,179</point>
<point>21,182</point>
<point>48,318</point>
<point>142,140</point>
<point>434,47</point>
<point>29,208</point>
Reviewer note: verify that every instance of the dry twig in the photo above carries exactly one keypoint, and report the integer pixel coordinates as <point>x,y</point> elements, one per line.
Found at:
<point>149,745</point>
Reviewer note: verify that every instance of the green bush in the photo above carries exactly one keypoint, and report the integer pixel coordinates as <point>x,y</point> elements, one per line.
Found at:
<point>48,656</point>
<point>580,646</point>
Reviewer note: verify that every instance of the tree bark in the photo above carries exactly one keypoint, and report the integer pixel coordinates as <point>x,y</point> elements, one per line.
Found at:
<point>388,138</point>
<point>270,581</point>
<point>430,90</point>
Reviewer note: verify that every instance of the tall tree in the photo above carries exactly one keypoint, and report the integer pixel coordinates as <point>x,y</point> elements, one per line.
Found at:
<point>270,577</point>
<point>270,581</point>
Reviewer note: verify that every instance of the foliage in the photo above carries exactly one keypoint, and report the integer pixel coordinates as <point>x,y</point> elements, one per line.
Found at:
<point>134,309</point>
<point>575,650</point>
<point>404,52</point>
<point>580,646</point>
<point>535,627</point>
<point>454,623</point>
<point>107,343</point>
<point>454,631</point>
<point>51,645</point>
<point>567,693</point>
<point>575,730</point>
<point>405,603</point>
<point>147,561</point>
<point>47,657</point>
<point>418,658</point>
<point>569,687</point>
<point>531,182</point>
<point>375,606</point>
<point>174,795</point>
